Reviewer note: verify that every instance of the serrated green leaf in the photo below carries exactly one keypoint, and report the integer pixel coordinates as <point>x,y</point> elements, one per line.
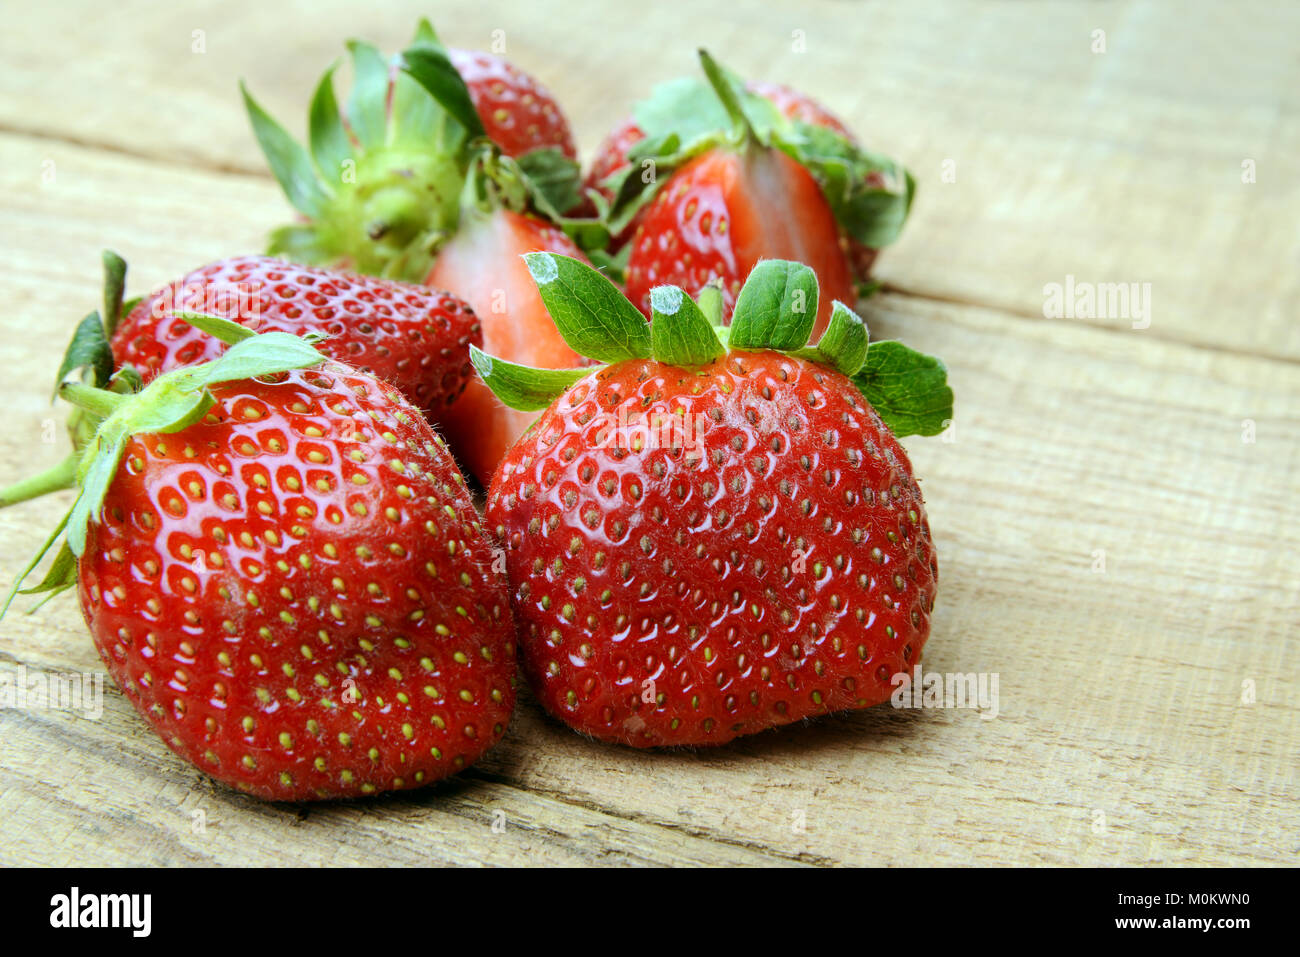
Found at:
<point>844,343</point>
<point>521,387</point>
<point>330,145</point>
<point>592,316</point>
<point>680,333</point>
<point>776,308</point>
<point>430,66</point>
<point>367,109</point>
<point>908,389</point>
<point>89,348</point>
<point>290,163</point>
<point>114,289</point>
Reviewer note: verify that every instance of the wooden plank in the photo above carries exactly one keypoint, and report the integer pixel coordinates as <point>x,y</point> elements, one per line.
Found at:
<point>1120,691</point>
<point>1115,166</point>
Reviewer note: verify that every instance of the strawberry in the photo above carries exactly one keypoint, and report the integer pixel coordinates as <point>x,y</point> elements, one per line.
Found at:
<point>282,570</point>
<point>724,211</point>
<point>708,540</point>
<point>518,113</point>
<point>683,117</point>
<point>411,336</point>
<point>428,196</point>
<point>727,208</point>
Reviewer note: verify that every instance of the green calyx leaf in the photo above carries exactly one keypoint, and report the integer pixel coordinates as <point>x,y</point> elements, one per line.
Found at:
<point>591,314</point>
<point>680,332</point>
<point>908,389</point>
<point>776,308</point>
<point>555,179</point>
<point>427,62</point>
<point>114,289</point>
<point>290,163</point>
<point>521,387</point>
<point>88,349</point>
<point>844,343</point>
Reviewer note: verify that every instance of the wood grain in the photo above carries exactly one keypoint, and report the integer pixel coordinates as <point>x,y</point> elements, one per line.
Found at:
<point>1110,545</point>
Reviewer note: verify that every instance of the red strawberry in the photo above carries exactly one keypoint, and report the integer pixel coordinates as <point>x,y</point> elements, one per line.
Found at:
<point>287,577</point>
<point>723,212</point>
<point>518,113</point>
<point>707,541</point>
<point>484,263</point>
<point>430,198</point>
<point>414,337</point>
<point>688,104</point>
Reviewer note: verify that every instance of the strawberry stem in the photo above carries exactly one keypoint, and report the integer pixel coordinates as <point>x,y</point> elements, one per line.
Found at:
<point>726,93</point>
<point>98,402</point>
<point>54,479</point>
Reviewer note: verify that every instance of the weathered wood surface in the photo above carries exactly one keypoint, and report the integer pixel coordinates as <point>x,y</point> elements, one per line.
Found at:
<point>1111,542</point>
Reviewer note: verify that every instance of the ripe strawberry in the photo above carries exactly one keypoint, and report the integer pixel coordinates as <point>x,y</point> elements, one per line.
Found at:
<point>518,113</point>
<point>282,570</point>
<point>723,212</point>
<point>707,541</point>
<point>411,336</point>
<point>819,140</point>
<point>484,262</point>
<point>428,197</point>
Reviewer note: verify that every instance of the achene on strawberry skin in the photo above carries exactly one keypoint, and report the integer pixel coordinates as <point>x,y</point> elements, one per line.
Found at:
<point>706,541</point>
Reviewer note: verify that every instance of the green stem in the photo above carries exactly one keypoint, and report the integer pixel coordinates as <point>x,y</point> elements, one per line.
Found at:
<point>726,93</point>
<point>98,402</point>
<point>61,476</point>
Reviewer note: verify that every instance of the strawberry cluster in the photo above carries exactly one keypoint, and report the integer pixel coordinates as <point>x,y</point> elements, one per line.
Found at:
<point>698,523</point>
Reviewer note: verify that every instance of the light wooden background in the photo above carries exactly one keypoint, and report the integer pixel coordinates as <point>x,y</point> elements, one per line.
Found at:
<point>1129,732</point>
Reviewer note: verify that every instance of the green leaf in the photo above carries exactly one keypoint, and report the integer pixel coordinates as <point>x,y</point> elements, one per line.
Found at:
<point>592,316</point>
<point>367,108</point>
<point>104,455</point>
<point>425,34</point>
<point>680,333</point>
<point>776,307</point>
<point>89,348</point>
<point>844,343</point>
<point>36,560</point>
<point>523,387</point>
<point>227,330</point>
<point>258,355</point>
<point>709,299</point>
<point>330,146</point>
<point>114,289</point>
<point>60,576</point>
<point>430,67</point>
<point>553,176</point>
<point>908,389</point>
<point>290,163</point>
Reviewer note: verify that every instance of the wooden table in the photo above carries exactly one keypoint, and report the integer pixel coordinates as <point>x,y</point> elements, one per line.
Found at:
<point>1116,508</point>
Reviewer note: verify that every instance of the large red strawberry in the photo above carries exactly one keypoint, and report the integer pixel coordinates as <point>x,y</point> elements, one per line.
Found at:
<point>707,540</point>
<point>869,194</point>
<point>414,337</point>
<point>282,570</point>
<point>428,196</point>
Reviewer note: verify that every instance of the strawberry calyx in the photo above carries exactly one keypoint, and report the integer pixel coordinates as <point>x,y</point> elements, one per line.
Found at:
<point>381,181</point>
<point>106,419</point>
<point>775,310</point>
<point>870,194</point>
